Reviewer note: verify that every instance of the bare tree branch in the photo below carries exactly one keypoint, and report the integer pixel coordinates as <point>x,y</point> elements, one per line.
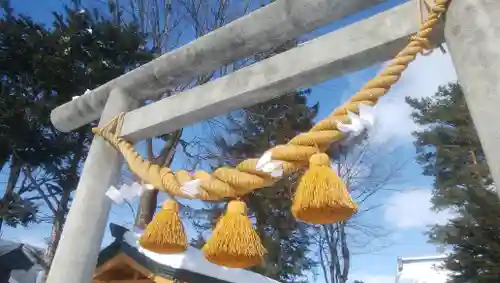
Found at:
<point>27,173</point>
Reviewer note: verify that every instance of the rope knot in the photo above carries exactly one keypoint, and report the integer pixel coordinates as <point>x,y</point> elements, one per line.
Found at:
<point>238,207</point>
<point>319,159</point>
<point>440,6</point>
<point>170,205</point>
<point>97,131</point>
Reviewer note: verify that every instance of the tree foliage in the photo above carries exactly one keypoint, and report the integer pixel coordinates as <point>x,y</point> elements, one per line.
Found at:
<point>450,151</point>
<point>45,67</point>
<point>21,113</point>
<point>447,143</point>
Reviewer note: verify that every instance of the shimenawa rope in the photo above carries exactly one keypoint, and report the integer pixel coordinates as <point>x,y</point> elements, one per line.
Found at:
<point>226,182</point>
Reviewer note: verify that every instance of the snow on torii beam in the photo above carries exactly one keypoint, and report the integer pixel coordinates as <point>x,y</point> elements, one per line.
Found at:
<point>258,31</point>
<point>357,46</point>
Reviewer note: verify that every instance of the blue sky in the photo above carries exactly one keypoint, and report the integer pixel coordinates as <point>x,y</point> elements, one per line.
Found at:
<point>406,210</point>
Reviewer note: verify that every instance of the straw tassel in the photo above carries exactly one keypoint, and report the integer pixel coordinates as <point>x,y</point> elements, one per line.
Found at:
<point>234,242</point>
<point>322,196</point>
<point>165,234</point>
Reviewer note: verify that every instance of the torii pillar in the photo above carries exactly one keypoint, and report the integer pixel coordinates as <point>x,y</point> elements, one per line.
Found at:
<point>472,32</point>
<point>102,168</point>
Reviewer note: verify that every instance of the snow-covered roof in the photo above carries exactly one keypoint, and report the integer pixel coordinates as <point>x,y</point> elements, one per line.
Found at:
<point>194,261</point>
<point>421,270</point>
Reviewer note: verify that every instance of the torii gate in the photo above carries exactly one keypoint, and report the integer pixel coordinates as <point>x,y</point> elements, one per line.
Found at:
<point>471,32</point>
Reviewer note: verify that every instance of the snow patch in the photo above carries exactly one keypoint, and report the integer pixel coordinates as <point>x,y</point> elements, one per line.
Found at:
<point>194,261</point>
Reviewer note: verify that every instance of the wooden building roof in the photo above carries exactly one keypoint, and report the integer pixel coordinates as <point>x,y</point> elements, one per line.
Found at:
<point>123,261</point>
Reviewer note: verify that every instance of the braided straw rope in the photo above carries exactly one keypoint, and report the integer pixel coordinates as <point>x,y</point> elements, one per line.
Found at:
<point>226,182</point>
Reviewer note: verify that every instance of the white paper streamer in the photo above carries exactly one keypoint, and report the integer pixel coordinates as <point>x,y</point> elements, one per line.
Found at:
<point>114,194</point>
<point>267,165</point>
<point>192,187</point>
<point>77,96</point>
<point>359,123</point>
<point>127,192</point>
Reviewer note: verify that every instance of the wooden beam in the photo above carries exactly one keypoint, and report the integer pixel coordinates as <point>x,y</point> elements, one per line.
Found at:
<point>141,269</point>
<point>158,279</point>
<point>125,281</point>
<point>108,265</point>
<point>132,281</point>
<point>146,272</point>
<point>360,45</point>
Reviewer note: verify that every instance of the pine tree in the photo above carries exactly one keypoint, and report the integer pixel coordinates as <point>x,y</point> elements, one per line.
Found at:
<point>474,236</point>
<point>44,68</point>
<point>450,151</point>
<point>21,144</point>
<point>447,142</point>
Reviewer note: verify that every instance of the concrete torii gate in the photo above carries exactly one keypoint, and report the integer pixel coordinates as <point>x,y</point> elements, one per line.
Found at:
<point>472,33</point>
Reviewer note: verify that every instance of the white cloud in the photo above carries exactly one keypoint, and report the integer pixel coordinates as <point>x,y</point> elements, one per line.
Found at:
<point>412,209</point>
<point>421,79</point>
<point>368,278</point>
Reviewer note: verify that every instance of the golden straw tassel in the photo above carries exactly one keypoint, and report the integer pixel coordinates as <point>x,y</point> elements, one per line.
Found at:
<point>165,234</point>
<point>234,242</point>
<point>322,196</point>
